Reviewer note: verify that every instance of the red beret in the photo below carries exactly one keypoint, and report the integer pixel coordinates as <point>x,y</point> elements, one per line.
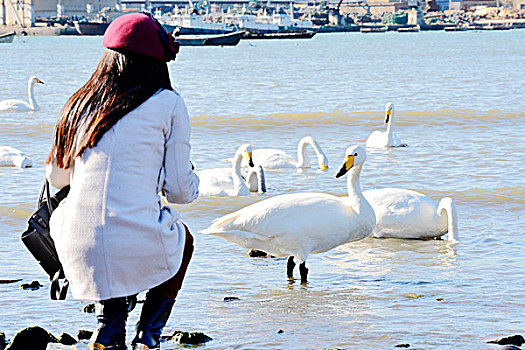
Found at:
<point>140,33</point>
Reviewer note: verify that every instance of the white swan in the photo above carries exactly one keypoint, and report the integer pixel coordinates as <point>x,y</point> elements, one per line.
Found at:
<point>226,181</point>
<point>409,214</point>
<point>10,156</point>
<point>18,105</point>
<point>298,224</point>
<point>386,138</point>
<point>270,158</point>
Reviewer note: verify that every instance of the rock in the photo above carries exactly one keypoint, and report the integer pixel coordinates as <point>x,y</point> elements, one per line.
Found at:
<point>10,281</point>
<point>404,345</point>
<point>254,253</point>
<point>192,338</point>
<point>82,334</point>
<point>89,308</point>
<point>31,286</point>
<point>227,299</point>
<point>31,338</point>
<point>280,331</point>
<point>66,339</point>
<point>510,347</point>
<point>412,295</point>
<point>516,339</point>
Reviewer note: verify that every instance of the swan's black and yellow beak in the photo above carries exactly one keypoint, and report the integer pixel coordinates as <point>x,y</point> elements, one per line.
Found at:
<point>324,166</point>
<point>347,165</point>
<point>388,115</point>
<point>39,81</point>
<point>250,159</point>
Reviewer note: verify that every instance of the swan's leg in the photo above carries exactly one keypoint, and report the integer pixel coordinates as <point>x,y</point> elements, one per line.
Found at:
<point>304,271</point>
<point>289,267</point>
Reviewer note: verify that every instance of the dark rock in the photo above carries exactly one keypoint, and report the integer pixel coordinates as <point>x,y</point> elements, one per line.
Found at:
<point>3,342</point>
<point>82,334</point>
<point>31,338</point>
<point>192,338</point>
<point>510,347</point>
<point>254,253</point>
<point>280,331</point>
<point>32,286</point>
<point>66,339</point>
<point>231,299</point>
<point>512,340</point>
<point>404,345</point>
<point>89,308</point>
<point>10,281</point>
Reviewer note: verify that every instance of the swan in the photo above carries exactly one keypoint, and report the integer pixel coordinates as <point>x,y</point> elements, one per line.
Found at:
<point>10,156</point>
<point>18,105</point>
<point>404,213</point>
<point>270,158</point>
<point>387,138</point>
<point>299,224</point>
<point>226,181</point>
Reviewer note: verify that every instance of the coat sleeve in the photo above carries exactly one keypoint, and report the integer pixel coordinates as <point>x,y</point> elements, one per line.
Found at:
<point>181,184</point>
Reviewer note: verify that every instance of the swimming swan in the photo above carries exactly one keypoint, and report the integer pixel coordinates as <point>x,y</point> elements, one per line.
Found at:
<point>10,156</point>
<point>409,214</point>
<point>18,105</point>
<point>271,158</point>
<point>387,138</point>
<point>226,181</point>
<point>298,224</point>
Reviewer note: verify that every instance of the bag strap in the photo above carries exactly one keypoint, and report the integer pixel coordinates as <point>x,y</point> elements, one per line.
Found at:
<point>58,292</point>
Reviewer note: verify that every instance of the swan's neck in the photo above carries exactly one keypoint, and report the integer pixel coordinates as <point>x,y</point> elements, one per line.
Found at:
<point>31,95</point>
<point>353,184</point>
<point>447,205</point>
<point>236,171</point>
<point>302,157</point>
<point>390,124</point>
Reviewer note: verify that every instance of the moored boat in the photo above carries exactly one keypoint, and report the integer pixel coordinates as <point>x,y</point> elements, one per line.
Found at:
<point>230,39</point>
<point>292,35</point>
<point>7,37</point>
<point>373,29</point>
<point>91,27</point>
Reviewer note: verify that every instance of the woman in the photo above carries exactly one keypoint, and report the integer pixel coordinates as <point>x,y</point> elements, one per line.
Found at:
<point>120,140</point>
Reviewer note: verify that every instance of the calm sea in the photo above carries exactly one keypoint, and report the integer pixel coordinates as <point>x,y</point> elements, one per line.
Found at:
<point>460,106</point>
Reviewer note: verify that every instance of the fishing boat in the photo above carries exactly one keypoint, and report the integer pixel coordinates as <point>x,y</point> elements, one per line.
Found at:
<point>410,29</point>
<point>373,29</point>
<point>457,28</point>
<point>291,35</point>
<point>194,24</point>
<point>230,39</point>
<point>7,37</point>
<point>91,27</point>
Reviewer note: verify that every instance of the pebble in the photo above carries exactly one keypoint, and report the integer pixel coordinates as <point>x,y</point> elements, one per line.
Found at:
<point>231,299</point>
<point>82,334</point>
<point>34,338</point>
<point>89,308</point>
<point>192,338</point>
<point>404,345</point>
<point>10,281</point>
<point>254,253</point>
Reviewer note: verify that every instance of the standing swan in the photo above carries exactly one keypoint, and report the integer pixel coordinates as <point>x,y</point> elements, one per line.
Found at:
<point>409,214</point>
<point>387,138</point>
<point>10,156</point>
<point>18,105</point>
<point>226,181</point>
<point>271,158</point>
<point>298,224</point>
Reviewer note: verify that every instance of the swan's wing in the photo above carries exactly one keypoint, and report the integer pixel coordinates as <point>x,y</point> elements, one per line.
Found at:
<point>215,182</point>
<point>377,139</point>
<point>292,224</point>
<point>403,213</point>
<point>14,104</point>
<point>270,158</point>
<point>10,156</point>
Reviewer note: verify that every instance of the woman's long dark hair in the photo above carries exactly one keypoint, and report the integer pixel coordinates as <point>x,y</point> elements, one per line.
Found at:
<point>120,83</point>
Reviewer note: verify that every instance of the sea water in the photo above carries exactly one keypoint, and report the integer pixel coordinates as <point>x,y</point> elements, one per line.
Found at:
<point>460,106</point>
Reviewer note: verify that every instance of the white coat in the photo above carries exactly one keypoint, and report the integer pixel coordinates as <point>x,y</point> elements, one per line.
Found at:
<point>113,236</point>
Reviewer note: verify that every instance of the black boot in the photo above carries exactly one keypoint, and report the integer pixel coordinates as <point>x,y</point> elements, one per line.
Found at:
<point>111,324</point>
<point>153,317</point>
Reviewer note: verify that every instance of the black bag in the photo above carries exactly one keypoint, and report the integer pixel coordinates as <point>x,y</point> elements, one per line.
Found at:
<point>40,244</point>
